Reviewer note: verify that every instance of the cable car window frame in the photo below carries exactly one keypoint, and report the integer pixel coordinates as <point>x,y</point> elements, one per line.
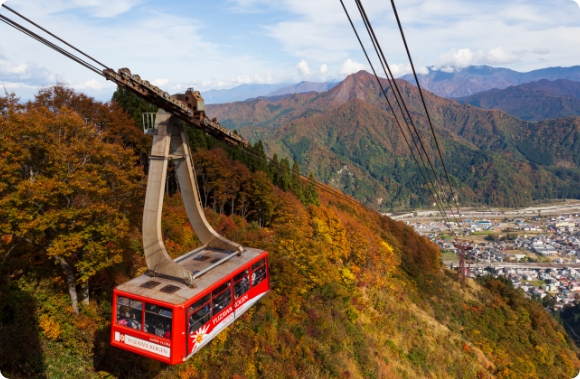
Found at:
<point>257,269</point>
<point>245,287</point>
<point>200,303</point>
<point>240,275</point>
<point>192,311</point>
<point>153,329</point>
<point>221,288</point>
<point>259,264</point>
<point>135,307</point>
<point>215,304</point>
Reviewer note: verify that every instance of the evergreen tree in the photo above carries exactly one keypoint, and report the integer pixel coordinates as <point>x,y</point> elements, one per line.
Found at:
<point>259,162</point>
<point>132,104</point>
<point>310,192</point>
<point>296,182</point>
<point>275,169</point>
<point>284,173</point>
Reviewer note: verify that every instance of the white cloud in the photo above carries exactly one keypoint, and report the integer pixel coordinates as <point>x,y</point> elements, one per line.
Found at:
<point>350,67</point>
<point>93,84</point>
<point>540,51</point>
<point>160,82</point>
<point>28,73</point>
<point>423,70</point>
<point>460,58</point>
<point>267,38</point>
<point>400,69</point>
<point>101,8</point>
<point>303,68</point>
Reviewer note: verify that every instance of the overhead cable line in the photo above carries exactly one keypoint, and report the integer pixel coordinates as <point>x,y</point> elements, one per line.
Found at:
<point>49,33</point>
<point>424,104</point>
<point>428,182</point>
<point>402,104</point>
<point>46,42</point>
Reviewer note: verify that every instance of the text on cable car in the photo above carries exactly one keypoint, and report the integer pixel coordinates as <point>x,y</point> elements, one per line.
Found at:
<point>222,315</point>
<point>155,340</point>
<point>142,344</point>
<point>241,300</point>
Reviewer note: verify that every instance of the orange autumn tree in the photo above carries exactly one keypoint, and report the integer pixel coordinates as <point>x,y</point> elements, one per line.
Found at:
<point>66,188</point>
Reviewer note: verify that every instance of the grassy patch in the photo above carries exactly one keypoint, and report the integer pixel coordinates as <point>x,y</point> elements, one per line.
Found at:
<point>449,256</point>
<point>536,283</point>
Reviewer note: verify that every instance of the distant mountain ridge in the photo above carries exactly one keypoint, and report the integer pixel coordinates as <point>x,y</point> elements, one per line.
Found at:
<point>303,87</point>
<point>251,91</point>
<point>475,79</point>
<point>533,101</point>
<point>240,93</point>
<point>348,138</point>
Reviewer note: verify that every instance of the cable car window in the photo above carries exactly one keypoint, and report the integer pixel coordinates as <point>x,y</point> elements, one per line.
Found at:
<point>158,320</point>
<point>241,275</point>
<point>199,303</point>
<point>129,312</point>
<point>199,317</point>
<point>222,301</point>
<point>258,276</point>
<point>242,286</point>
<point>259,263</point>
<point>220,288</point>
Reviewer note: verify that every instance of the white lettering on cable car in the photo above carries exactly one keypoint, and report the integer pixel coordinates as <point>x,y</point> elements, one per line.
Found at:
<point>155,340</point>
<point>142,344</point>
<point>201,336</point>
<point>241,300</point>
<point>222,315</point>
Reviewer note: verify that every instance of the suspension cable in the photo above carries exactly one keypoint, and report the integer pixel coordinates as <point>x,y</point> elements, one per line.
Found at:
<point>424,104</point>
<point>428,182</point>
<point>403,108</point>
<point>58,38</point>
<point>44,41</point>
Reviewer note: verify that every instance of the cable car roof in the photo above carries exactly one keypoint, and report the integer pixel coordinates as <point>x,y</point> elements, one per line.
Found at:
<point>176,292</point>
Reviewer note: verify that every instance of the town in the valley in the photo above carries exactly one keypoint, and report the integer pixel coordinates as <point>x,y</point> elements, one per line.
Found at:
<point>536,248</point>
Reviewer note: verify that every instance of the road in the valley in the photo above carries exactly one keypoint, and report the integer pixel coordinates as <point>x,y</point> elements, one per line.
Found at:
<point>526,265</point>
<point>557,208</point>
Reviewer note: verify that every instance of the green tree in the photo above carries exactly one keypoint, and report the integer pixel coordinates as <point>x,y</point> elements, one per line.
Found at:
<point>284,180</point>
<point>133,105</point>
<point>310,192</point>
<point>263,197</point>
<point>296,182</point>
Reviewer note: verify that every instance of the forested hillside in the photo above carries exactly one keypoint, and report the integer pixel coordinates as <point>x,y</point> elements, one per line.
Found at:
<point>348,138</point>
<point>354,294</point>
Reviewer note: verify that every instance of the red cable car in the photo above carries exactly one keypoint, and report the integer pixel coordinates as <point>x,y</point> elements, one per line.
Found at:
<point>169,321</point>
<point>179,305</point>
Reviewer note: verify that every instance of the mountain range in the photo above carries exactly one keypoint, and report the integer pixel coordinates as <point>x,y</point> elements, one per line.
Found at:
<point>248,91</point>
<point>348,138</point>
<point>473,79</point>
<point>533,101</point>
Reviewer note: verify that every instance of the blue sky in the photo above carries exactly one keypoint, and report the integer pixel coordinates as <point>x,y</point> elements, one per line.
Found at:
<point>225,43</point>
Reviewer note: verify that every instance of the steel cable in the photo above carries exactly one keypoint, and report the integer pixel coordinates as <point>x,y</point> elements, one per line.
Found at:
<point>428,182</point>
<point>424,104</point>
<point>58,38</point>
<point>403,108</point>
<point>51,45</point>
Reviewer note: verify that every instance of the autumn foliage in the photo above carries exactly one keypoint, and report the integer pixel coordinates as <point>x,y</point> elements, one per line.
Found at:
<point>354,294</point>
